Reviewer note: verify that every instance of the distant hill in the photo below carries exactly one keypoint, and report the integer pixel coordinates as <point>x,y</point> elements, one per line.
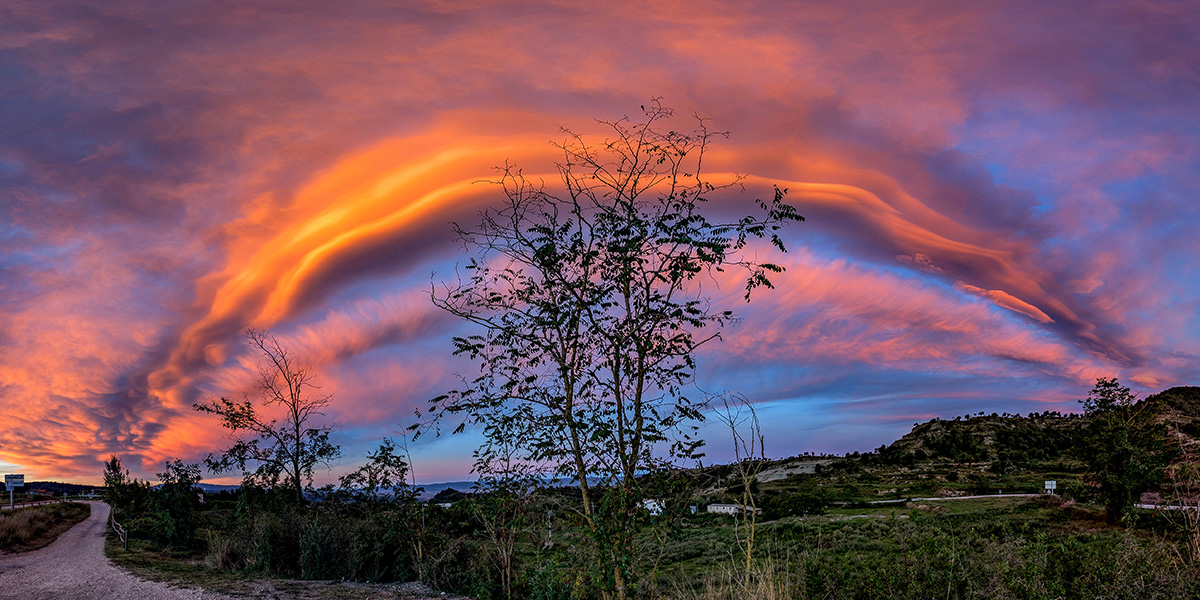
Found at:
<point>997,441</point>
<point>212,488</point>
<point>1037,436</point>
<point>429,490</point>
<point>988,438</point>
<point>1018,439</point>
<point>1184,400</point>
<point>1181,408</point>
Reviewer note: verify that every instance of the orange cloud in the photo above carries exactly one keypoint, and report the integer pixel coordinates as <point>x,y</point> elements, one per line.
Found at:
<point>1006,300</point>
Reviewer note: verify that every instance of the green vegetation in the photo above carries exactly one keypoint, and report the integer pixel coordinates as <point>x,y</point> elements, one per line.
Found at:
<point>1027,550</point>
<point>1043,547</point>
<point>822,535</point>
<point>188,570</point>
<point>25,529</point>
<point>255,533</point>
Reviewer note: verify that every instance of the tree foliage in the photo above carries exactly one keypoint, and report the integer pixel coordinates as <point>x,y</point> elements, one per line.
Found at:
<point>176,501</point>
<point>1126,449</point>
<point>384,478</point>
<point>275,451</point>
<point>124,494</point>
<point>592,303</point>
<point>116,481</point>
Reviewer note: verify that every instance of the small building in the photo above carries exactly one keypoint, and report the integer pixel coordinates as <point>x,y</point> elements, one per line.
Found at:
<point>730,509</point>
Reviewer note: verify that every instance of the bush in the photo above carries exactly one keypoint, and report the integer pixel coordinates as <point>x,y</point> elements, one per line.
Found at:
<point>545,582</point>
<point>808,500</point>
<point>325,548</point>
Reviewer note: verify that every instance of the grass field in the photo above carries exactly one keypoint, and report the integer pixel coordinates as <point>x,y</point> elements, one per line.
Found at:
<point>984,548</point>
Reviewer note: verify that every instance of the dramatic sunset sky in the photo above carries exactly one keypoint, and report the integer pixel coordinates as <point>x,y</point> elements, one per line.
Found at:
<point>1003,202</point>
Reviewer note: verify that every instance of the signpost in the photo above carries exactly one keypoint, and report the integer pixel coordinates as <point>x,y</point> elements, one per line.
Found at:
<point>1051,487</point>
<point>13,481</point>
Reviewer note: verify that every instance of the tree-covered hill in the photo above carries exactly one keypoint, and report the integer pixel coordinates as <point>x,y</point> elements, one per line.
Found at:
<point>991,438</point>
<point>1180,408</point>
<point>1020,439</point>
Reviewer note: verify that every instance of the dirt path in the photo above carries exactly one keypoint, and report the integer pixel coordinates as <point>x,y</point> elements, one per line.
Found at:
<point>940,498</point>
<point>74,567</point>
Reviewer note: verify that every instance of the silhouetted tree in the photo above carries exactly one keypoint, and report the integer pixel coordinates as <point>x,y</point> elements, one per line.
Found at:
<point>592,312</point>
<point>116,481</point>
<point>384,478</point>
<point>176,501</point>
<point>501,505</point>
<point>282,451</point>
<point>127,496</point>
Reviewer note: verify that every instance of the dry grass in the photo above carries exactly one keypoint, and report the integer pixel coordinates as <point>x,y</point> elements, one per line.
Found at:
<point>26,529</point>
<point>767,580</point>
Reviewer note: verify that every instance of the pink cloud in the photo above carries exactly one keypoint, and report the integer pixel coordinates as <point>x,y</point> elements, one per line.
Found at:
<point>177,174</point>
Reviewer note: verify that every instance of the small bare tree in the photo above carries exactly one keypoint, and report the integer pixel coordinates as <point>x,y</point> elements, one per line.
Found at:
<point>1183,499</point>
<point>502,504</point>
<point>284,450</point>
<point>749,454</point>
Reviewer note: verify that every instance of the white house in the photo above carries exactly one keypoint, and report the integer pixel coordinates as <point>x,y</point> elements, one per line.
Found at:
<point>730,509</point>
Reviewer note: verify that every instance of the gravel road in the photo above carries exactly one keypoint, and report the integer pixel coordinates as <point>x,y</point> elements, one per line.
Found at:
<point>74,568</point>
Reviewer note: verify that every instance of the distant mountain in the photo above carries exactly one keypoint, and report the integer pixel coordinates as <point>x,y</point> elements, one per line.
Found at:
<point>212,488</point>
<point>429,490</point>
<point>58,488</point>
<point>1183,399</point>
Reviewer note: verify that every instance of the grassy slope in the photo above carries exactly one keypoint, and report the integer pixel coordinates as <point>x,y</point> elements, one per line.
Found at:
<point>27,529</point>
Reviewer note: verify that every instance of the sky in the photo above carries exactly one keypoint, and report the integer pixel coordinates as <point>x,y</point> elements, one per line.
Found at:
<point>1001,204</point>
